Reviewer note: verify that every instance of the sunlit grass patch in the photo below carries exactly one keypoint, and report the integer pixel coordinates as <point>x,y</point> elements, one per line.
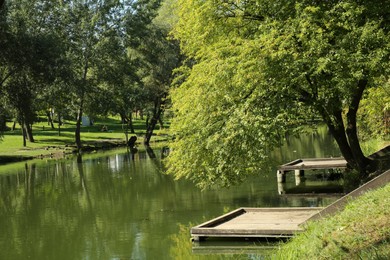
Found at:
<point>49,141</point>
<point>362,229</point>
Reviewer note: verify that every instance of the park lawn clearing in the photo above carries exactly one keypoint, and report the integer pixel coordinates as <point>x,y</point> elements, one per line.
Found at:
<point>49,143</point>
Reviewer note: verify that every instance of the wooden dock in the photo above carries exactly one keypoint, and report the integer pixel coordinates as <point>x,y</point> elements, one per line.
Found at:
<point>276,222</point>
<point>255,222</point>
<point>300,165</point>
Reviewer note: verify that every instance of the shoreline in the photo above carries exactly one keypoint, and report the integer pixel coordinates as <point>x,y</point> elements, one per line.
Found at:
<point>62,151</point>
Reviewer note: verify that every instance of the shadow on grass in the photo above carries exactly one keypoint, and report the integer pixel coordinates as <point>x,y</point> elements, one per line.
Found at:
<point>54,141</point>
<point>9,158</point>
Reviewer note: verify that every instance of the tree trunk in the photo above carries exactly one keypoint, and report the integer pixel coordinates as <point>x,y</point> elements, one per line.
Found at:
<point>78,127</point>
<point>337,130</point>
<point>130,123</point>
<point>123,118</point>
<point>3,123</point>
<point>24,135</point>
<point>346,136</point>
<point>157,110</point>
<point>78,123</point>
<point>362,162</point>
<point>28,132</point>
<point>50,119</point>
<point>335,123</point>
<point>59,124</point>
<point>81,107</point>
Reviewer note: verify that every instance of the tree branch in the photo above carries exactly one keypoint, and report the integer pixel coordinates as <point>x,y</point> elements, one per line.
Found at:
<point>7,76</point>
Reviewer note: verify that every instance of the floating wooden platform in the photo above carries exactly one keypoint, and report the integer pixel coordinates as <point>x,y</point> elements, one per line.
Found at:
<point>255,222</point>
<point>300,165</point>
<point>276,222</point>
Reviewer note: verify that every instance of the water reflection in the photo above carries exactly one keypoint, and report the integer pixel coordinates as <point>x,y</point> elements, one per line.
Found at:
<point>119,206</point>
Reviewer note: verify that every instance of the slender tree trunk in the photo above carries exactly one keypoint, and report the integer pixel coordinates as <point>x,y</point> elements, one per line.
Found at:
<point>123,118</point>
<point>81,107</point>
<point>153,122</point>
<point>3,123</point>
<point>24,135</point>
<point>79,122</point>
<point>78,126</point>
<point>59,124</point>
<point>13,126</point>
<point>50,119</point>
<point>28,132</point>
<point>130,123</point>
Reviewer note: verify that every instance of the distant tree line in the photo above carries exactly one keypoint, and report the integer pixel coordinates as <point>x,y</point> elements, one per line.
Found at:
<point>83,57</point>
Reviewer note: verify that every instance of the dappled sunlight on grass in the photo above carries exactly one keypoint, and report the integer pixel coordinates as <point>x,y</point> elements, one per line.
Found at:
<point>50,141</point>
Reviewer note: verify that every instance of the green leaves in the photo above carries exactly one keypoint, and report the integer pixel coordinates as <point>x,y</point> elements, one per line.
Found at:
<point>260,68</point>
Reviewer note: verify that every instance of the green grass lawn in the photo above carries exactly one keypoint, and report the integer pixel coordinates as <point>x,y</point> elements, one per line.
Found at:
<point>48,141</point>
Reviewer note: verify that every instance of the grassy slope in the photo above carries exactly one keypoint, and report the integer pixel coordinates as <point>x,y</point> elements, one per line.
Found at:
<point>361,231</point>
<point>47,141</point>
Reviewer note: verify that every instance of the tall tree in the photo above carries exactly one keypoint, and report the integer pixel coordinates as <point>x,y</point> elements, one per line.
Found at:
<point>88,23</point>
<point>30,57</point>
<point>260,68</point>
<point>158,56</point>
<point>161,57</point>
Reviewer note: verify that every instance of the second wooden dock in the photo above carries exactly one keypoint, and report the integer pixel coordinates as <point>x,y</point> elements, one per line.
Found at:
<point>300,165</point>
<point>255,222</point>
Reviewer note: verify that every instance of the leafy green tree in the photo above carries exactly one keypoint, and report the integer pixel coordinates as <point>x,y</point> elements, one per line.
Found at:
<point>30,58</point>
<point>374,116</point>
<point>83,34</point>
<point>259,69</point>
<point>158,56</point>
<point>117,77</point>
<point>161,57</point>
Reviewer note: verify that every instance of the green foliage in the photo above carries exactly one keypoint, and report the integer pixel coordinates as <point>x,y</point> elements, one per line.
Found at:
<point>375,112</point>
<point>259,69</point>
<point>80,57</point>
<point>31,58</point>
<point>223,126</point>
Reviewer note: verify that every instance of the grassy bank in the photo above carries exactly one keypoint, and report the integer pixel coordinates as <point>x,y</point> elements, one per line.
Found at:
<point>49,143</point>
<point>374,145</point>
<point>361,231</point>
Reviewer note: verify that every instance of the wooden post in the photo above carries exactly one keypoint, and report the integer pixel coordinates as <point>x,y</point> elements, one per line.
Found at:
<point>281,190</point>
<point>299,173</point>
<point>281,176</point>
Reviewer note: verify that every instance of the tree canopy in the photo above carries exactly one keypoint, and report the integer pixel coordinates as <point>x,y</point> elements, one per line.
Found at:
<point>82,57</point>
<point>259,69</point>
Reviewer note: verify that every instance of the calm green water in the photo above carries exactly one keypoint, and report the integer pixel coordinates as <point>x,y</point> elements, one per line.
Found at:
<point>115,206</point>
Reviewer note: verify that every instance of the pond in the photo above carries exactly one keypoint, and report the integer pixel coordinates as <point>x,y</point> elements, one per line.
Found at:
<point>116,205</point>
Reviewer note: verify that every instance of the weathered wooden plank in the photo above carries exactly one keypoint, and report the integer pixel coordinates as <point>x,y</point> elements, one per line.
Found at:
<point>316,163</point>
<point>256,222</point>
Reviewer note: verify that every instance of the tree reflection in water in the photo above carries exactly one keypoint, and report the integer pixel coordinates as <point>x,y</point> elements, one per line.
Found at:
<point>116,205</point>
